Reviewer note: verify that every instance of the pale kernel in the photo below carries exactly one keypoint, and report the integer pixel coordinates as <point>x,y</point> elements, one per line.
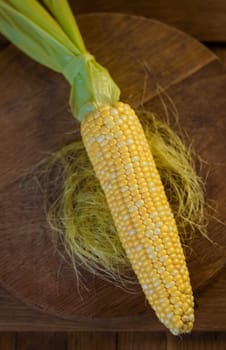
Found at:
<point>138,248</point>
<point>135,159</point>
<point>129,142</point>
<point>156,231</point>
<point>132,209</point>
<point>139,203</point>
<point>113,111</point>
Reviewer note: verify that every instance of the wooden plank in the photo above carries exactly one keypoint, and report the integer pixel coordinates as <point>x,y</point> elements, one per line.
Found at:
<point>92,341</point>
<point>220,51</point>
<point>203,19</point>
<point>197,341</point>
<point>3,42</point>
<point>141,341</point>
<point>41,341</point>
<point>15,316</point>
<point>7,341</point>
<point>12,60</point>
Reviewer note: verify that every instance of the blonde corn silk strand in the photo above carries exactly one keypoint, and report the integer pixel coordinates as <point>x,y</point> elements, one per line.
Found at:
<point>80,214</point>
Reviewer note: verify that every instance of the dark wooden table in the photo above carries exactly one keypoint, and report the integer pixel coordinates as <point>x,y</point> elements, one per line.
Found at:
<point>17,318</point>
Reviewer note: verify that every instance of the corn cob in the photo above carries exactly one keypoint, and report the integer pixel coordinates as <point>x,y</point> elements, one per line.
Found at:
<point>121,157</point>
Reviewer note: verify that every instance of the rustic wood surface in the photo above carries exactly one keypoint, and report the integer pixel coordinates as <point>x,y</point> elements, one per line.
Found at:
<point>203,19</point>
<point>16,316</point>
<point>92,340</point>
<point>141,341</point>
<point>185,69</point>
<point>7,341</point>
<point>111,341</point>
<point>27,319</point>
<point>198,341</point>
<point>220,51</point>
<point>40,341</point>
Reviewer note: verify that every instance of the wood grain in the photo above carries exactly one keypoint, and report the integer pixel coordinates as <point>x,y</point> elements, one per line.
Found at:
<point>41,341</point>
<point>7,341</point>
<point>32,253</point>
<point>92,341</point>
<point>3,42</point>
<point>210,315</point>
<point>199,341</point>
<point>141,341</point>
<point>203,19</point>
<point>220,51</point>
<point>112,341</point>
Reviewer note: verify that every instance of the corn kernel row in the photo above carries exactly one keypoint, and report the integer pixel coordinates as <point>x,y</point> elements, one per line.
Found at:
<point>121,157</point>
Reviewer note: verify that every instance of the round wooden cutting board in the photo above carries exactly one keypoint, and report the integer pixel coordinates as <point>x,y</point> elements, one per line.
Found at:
<point>149,61</point>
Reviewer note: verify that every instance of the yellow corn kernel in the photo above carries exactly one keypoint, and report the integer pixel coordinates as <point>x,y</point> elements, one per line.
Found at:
<point>141,212</point>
